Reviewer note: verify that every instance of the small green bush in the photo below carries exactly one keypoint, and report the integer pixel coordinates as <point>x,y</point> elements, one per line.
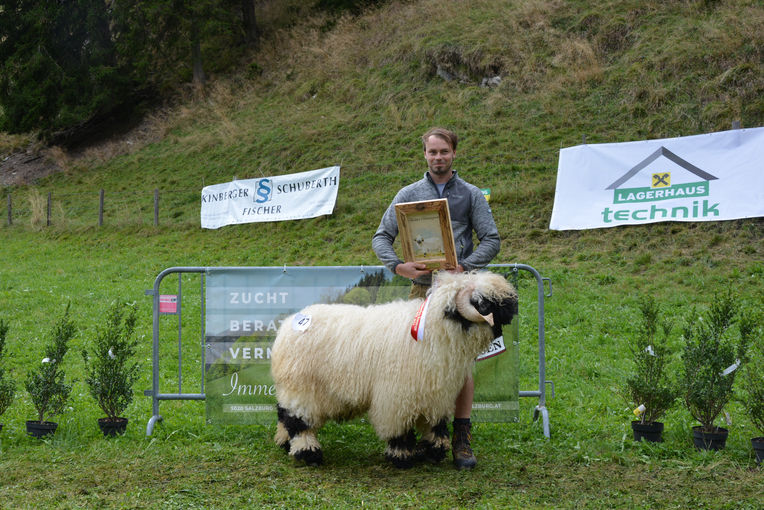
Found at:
<point>7,387</point>
<point>711,348</point>
<point>752,379</point>
<point>46,385</point>
<point>109,369</point>
<point>649,385</point>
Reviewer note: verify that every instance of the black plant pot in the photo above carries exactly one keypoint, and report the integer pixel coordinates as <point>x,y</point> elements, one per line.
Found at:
<point>111,428</point>
<point>715,440</point>
<point>651,431</point>
<point>758,447</point>
<point>41,428</point>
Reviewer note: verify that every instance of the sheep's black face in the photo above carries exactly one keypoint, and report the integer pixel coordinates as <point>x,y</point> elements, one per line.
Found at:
<point>503,311</point>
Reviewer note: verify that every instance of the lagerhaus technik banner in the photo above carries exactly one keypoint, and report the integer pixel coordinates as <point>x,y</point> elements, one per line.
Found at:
<point>709,177</point>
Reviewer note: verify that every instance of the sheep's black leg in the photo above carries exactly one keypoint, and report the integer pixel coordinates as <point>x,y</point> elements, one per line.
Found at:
<point>400,450</point>
<point>282,435</point>
<point>302,443</point>
<point>434,444</point>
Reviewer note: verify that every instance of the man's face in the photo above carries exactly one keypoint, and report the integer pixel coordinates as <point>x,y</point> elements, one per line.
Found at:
<point>439,156</point>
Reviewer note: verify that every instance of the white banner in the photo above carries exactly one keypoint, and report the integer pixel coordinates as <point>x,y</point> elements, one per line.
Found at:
<point>710,177</point>
<point>280,198</point>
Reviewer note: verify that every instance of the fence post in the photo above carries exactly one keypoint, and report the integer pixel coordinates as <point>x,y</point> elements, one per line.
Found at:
<point>10,208</point>
<point>47,221</point>
<point>735,124</point>
<point>156,207</point>
<point>100,208</point>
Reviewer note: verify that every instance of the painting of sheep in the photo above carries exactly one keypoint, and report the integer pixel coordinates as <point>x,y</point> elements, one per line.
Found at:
<point>338,361</point>
<point>432,245</point>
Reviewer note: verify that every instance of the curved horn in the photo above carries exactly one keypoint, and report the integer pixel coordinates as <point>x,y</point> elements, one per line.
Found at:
<point>467,309</point>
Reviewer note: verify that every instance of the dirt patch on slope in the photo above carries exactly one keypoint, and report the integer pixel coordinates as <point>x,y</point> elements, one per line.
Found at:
<point>36,161</point>
<point>26,167</point>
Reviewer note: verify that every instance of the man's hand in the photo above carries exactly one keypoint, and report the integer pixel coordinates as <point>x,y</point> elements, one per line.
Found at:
<point>412,270</point>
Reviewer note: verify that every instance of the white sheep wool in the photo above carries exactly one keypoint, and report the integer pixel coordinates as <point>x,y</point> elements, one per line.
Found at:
<point>355,359</point>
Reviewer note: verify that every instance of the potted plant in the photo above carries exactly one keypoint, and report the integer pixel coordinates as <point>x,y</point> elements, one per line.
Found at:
<point>713,351</point>
<point>7,387</point>
<point>45,384</point>
<point>109,371</point>
<point>752,379</point>
<point>649,389</point>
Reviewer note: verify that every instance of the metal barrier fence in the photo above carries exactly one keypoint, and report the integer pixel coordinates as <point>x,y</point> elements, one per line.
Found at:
<point>172,304</point>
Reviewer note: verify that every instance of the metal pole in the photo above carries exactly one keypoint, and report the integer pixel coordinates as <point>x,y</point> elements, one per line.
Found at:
<point>10,208</point>
<point>156,207</point>
<point>180,336</point>
<point>49,199</point>
<point>203,310</point>
<point>100,208</point>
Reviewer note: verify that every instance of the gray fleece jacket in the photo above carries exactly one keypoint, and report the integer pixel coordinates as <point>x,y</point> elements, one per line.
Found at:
<point>469,211</point>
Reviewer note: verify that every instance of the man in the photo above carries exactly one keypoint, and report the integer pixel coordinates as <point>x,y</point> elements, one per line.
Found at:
<point>469,212</point>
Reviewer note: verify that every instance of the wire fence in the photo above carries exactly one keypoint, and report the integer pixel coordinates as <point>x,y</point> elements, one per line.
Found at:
<point>84,209</point>
<point>39,208</point>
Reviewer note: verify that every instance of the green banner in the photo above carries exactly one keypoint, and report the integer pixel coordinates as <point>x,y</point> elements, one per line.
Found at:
<point>246,305</point>
<point>639,195</point>
<point>244,309</point>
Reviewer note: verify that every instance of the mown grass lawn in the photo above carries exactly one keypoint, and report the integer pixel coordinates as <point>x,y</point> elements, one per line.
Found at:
<point>590,460</point>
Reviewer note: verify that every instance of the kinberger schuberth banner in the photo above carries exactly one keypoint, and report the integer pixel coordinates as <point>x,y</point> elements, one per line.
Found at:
<point>717,176</point>
<point>280,198</point>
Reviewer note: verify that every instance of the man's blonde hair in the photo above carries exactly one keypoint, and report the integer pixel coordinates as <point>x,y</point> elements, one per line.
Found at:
<point>444,134</point>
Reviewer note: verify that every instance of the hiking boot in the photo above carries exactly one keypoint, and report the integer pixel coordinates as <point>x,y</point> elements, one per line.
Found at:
<point>460,447</point>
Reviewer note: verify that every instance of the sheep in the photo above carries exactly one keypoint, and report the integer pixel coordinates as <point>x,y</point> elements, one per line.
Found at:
<point>428,246</point>
<point>338,361</point>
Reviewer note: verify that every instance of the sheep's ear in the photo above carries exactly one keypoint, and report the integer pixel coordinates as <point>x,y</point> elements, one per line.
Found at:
<point>467,310</point>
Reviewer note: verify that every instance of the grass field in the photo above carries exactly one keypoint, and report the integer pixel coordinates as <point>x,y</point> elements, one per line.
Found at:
<point>357,92</point>
<point>590,461</point>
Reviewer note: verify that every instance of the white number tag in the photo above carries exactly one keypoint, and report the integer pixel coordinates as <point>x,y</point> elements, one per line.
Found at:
<point>300,322</point>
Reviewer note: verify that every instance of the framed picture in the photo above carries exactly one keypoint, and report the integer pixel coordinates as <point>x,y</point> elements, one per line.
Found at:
<point>425,233</point>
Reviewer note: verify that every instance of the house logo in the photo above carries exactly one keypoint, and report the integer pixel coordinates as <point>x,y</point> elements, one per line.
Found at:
<point>671,178</point>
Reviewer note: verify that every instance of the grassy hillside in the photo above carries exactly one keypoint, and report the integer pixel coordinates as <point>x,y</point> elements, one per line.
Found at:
<point>358,91</point>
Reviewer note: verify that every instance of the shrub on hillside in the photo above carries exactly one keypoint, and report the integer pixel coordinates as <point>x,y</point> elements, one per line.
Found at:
<point>713,351</point>
<point>46,384</point>
<point>649,384</point>
<point>109,369</point>
<point>7,387</point>
<point>752,379</point>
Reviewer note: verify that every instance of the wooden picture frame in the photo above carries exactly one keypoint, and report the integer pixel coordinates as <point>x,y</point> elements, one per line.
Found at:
<point>425,232</point>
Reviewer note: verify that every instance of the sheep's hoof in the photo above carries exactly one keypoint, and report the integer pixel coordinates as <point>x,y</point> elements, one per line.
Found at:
<point>310,457</point>
<point>400,462</point>
<point>427,451</point>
